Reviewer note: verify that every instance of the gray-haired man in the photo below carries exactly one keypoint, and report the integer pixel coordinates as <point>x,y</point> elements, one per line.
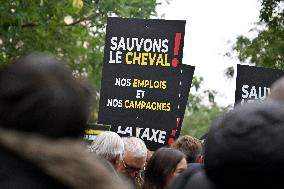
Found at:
<point>133,159</point>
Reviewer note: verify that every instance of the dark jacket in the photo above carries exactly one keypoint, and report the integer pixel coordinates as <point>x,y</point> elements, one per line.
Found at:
<point>193,177</point>
<point>243,150</point>
<point>28,161</point>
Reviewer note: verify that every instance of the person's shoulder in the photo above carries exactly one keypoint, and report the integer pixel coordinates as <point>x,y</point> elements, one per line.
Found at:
<point>18,173</point>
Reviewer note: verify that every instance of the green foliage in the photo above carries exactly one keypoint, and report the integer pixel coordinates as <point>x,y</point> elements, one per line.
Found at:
<point>199,115</point>
<point>266,49</point>
<point>198,122</point>
<point>73,30</point>
<point>230,72</point>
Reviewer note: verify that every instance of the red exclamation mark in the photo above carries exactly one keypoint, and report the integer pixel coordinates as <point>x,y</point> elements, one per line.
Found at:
<point>176,50</point>
<point>171,140</point>
<point>173,132</point>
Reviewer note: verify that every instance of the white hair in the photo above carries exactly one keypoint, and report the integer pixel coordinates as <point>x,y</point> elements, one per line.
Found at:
<point>107,145</point>
<point>135,145</point>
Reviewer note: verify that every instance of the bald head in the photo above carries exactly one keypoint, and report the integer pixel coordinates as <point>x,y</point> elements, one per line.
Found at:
<point>277,90</point>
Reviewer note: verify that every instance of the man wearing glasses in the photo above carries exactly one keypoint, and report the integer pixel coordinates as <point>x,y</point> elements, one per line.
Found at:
<point>133,160</point>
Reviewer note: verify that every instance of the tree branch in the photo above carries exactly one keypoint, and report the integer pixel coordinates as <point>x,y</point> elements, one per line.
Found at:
<point>29,25</point>
<point>78,21</point>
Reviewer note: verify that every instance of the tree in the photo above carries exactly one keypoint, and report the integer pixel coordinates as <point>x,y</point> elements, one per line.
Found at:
<point>266,49</point>
<point>73,30</point>
<point>199,114</point>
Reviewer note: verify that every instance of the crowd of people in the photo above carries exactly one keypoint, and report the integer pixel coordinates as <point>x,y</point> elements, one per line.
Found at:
<point>43,114</point>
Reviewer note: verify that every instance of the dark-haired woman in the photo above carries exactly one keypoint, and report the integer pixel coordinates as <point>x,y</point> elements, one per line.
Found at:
<point>164,166</point>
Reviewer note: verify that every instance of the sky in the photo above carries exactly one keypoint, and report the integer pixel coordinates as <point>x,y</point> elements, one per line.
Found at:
<point>211,29</point>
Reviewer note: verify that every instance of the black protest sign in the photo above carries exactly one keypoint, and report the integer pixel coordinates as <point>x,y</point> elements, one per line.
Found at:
<point>253,83</point>
<point>168,134</point>
<point>93,130</point>
<point>141,73</point>
<point>186,76</point>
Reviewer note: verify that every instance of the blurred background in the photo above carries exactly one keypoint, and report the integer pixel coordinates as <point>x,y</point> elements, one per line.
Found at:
<point>219,35</point>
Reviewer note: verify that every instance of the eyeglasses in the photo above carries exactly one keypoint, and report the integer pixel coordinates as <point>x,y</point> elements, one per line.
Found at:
<point>130,169</point>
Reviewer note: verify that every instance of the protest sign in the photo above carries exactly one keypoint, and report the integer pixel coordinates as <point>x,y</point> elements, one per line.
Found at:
<point>171,132</point>
<point>186,74</point>
<point>93,130</point>
<point>141,78</point>
<point>253,83</point>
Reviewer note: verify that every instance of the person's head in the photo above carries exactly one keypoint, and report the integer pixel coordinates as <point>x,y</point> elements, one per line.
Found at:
<point>134,156</point>
<point>245,146</point>
<point>149,155</point>
<point>109,146</point>
<point>191,147</point>
<point>164,166</point>
<point>277,90</point>
<point>38,94</point>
